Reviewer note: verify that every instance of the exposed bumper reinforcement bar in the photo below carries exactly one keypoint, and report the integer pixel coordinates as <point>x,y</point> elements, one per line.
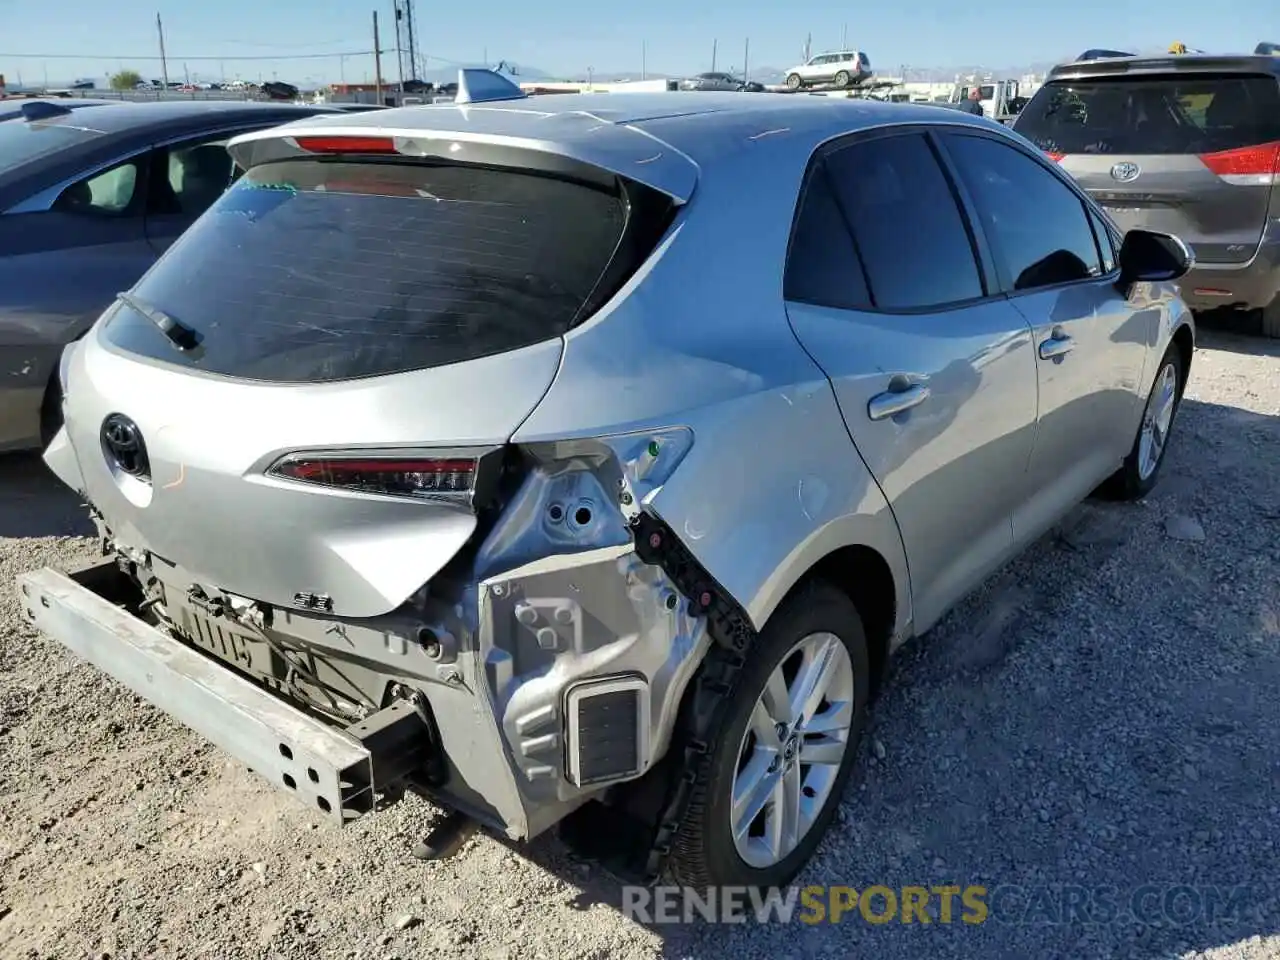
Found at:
<point>328,769</point>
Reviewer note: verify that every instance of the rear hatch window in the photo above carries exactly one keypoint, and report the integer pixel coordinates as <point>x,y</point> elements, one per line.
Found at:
<point>22,141</point>
<point>1177,114</point>
<point>322,270</point>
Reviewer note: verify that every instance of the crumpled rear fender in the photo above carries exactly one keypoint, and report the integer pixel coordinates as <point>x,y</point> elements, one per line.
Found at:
<point>758,531</point>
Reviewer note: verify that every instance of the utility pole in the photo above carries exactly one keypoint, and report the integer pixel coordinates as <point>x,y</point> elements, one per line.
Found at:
<point>713,56</point>
<point>413,40</point>
<point>844,37</point>
<point>399,49</point>
<point>377,59</point>
<point>644,65</point>
<point>746,60</point>
<point>164,64</point>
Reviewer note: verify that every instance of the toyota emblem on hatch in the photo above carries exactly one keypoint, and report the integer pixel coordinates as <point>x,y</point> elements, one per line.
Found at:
<point>123,446</point>
<point>1125,172</point>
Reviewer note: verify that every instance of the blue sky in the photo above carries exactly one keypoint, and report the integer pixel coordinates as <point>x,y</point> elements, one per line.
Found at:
<point>566,37</point>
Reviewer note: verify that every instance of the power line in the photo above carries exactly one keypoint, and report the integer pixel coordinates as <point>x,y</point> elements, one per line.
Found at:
<point>152,56</point>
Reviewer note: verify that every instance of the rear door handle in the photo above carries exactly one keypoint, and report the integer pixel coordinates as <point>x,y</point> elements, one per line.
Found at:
<point>1056,347</point>
<point>884,405</point>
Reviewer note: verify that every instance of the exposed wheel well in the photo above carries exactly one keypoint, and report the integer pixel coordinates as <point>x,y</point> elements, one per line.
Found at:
<point>1183,340</point>
<point>865,577</point>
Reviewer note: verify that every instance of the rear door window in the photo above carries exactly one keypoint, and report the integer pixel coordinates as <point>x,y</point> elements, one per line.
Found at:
<point>1177,114</point>
<point>908,228</point>
<point>822,265</point>
<point>308,270</point>
<point>112,193</point>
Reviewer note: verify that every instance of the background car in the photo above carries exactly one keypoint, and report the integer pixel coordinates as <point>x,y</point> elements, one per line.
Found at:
<point>89,197</point>
<point>843,69</point>
<point>663,565</point>
<point>1187,144</point>
<point>712,81</point>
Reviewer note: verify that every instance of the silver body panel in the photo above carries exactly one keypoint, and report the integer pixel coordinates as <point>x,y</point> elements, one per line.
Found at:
<point>780,451</point>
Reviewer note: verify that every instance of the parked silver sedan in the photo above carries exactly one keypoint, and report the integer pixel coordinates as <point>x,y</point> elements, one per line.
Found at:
<point>91,192</point>
<point>443,426</point>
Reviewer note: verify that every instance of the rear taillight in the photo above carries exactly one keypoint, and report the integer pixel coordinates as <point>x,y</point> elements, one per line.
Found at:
<point>1055,157</point>
<point>424,478</point>
<point>345,144</point>
<point>1248,166</point>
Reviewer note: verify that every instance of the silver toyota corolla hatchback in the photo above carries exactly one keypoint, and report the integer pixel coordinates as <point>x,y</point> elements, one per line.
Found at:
<point>597,448</point>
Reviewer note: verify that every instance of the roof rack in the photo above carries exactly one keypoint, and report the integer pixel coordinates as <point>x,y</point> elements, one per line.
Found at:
<point>1101,54</point>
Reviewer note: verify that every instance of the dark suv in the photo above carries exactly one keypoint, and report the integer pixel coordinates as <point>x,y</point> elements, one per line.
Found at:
<point>1189,145</point>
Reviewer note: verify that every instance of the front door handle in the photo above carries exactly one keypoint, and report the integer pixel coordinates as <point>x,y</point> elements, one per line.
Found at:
<point>891,402</point>
<point>1056,347</point>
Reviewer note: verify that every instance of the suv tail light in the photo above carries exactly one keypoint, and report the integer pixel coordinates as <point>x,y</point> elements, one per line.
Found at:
<point>1248,166</point>
<point>427,478</point>
<point>1055,157</point>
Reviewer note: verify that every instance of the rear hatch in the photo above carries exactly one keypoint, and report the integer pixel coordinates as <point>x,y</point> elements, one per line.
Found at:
<point>1193,154</point>
<point>347,337</point>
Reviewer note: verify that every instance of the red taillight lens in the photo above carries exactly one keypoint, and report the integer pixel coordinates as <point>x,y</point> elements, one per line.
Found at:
<point>359,145</point>
<point>1248,165</point>
<point>429,478</point>
<point>1055,157</point>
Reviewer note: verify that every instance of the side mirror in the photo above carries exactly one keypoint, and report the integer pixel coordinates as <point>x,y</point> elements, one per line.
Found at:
<point>1151,257</point>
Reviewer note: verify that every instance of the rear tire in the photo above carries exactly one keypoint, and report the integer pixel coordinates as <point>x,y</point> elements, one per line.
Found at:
<point>817,628</point>
<point>843,79</point>
<point>794,82</point>
<point>1271,319</point>
<point>1141,469</point>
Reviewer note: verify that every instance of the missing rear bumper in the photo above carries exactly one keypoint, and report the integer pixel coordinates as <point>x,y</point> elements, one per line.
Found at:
<point>335,772</point>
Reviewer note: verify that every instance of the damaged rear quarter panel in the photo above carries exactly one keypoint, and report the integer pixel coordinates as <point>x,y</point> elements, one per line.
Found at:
<point>772,482</point>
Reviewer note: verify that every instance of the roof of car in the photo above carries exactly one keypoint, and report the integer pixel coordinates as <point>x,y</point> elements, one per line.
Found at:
<point>716,112</point>
<point>1165,64</point>
<point>139,115</point>
<point>665,139</point>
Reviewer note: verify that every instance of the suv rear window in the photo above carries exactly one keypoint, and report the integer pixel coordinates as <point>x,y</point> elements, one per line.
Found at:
<point>22,141</point>
<point>319,270</point>
<point>1177,114</point>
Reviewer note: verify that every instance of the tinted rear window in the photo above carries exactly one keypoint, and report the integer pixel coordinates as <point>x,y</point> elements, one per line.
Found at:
<point>22,141</point>
<point>322,270</point>
<point>1154,115</point>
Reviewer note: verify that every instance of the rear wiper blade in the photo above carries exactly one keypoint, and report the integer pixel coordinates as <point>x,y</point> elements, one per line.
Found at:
<point>178,333</point>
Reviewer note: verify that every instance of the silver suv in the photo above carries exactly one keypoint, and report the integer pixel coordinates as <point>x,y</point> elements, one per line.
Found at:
<point>597,448</point>
<point>1184,144</point>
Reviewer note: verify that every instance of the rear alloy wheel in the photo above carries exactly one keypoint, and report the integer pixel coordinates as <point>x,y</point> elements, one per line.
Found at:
<point>842,79</point>
<point>793,81</point>
<point>1141,468</point>
<point>771,784</point>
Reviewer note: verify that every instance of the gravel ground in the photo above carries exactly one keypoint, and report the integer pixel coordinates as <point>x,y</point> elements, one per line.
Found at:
<point>1101,715</point>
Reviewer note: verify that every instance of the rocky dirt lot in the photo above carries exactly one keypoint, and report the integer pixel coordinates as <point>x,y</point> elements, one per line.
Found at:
<point>1102,715</point>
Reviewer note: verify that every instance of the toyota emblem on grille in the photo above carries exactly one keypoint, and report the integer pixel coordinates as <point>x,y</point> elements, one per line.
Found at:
<point>1125,172</point>
<point>123,446</point>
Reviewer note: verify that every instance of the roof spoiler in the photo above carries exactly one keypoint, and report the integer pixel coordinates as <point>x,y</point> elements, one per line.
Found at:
<point>478,85</point>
